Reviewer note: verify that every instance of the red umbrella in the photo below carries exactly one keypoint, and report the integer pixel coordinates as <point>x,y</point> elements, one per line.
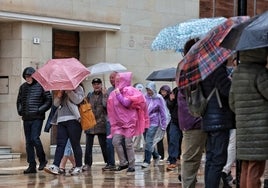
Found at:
<point>61,74</point>
<point>207,55</point>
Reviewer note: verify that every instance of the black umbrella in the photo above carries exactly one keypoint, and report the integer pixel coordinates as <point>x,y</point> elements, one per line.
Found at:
<point>248,35</point>
<point>168,74</point>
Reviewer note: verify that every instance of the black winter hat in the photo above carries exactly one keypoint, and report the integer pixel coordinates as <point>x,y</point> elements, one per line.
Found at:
<point>28,71</point>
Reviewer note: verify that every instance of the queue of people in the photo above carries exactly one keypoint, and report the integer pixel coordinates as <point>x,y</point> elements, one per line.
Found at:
<point>124,113</point>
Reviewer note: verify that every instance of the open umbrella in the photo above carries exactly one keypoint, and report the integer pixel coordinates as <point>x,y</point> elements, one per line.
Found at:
<point>248,35</point>
<point>206,55</point>
<point>105,67</point>
<point>174,37</point>
<point>168,74</point>
<point>61,74</point>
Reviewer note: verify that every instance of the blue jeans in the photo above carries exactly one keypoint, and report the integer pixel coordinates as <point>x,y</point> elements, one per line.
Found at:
<point>68,129</point>
<point>32,131</point>
<point>109,146</point>
<point>150,151</point>
<point>174,145</point>
<point>68,151</point>
<point>216,156</point>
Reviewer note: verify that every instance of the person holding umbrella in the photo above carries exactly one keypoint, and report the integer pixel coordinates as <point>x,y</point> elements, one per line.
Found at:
<point>217,122</point>
<point>68,126</point>
<point>249,100</point>
<point>193,137</point>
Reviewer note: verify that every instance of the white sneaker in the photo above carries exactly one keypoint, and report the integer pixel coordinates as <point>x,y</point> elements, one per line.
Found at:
<point>145,165</point>
<point>76,171</point>
<point>156,161</point>
<point>52,169</point>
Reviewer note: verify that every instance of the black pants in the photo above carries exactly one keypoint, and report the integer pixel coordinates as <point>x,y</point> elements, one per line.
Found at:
<point>89,145</point>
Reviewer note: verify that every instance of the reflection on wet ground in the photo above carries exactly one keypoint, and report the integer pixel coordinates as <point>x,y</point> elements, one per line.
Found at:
<point>11,176</point>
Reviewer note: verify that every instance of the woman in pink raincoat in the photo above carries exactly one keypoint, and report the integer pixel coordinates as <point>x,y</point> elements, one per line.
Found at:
<point>128,115</point>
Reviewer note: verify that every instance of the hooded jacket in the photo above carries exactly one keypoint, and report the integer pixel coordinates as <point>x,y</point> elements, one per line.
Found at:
<point>158,112</point>
<point>249,100</point>
<point>127,110</point>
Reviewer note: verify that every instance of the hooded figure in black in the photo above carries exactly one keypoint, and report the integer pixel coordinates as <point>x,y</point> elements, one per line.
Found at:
<point>32,104</point>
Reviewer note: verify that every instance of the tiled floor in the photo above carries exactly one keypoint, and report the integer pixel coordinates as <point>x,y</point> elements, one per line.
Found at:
<point>11,176</point>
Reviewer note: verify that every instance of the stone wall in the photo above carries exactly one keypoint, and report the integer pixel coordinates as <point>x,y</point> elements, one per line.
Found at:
<point>139,20</point>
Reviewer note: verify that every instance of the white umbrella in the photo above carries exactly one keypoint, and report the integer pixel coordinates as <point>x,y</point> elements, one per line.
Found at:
<point>105,67</point>
<point>174,37</point>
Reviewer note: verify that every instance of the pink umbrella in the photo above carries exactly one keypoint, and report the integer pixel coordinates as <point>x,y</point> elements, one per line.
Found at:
<point>61,74</point>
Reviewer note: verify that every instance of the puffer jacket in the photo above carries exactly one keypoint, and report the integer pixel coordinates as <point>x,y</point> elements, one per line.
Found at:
<point>249,101</point>
<point>216,118</point>
<point>33,101</point>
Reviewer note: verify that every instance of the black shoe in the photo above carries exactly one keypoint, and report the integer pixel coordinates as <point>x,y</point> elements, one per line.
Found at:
<point>131,170</point>
<point>179,177</point>
<point>30,170</point>
<point>109,168</point>
<point>225,181</point>
<point>229,177</point>
<point>119,168</point>
<point>265,183</point>
<point>42,165</point>
<point>62,171</point>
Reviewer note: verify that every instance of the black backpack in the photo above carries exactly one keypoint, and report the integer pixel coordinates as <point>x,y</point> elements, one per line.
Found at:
<point>196,101</point>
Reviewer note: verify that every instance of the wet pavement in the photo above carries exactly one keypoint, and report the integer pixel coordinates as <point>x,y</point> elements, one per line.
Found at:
<point>11,175</point>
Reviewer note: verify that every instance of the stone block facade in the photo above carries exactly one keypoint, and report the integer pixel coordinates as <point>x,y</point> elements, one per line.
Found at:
<point>114,31</point>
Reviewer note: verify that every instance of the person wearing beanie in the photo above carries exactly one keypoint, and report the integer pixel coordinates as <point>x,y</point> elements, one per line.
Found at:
<point>174,134</point>
<point>32,104</point>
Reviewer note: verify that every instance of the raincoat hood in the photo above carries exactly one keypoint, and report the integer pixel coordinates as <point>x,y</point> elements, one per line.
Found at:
<point>124,80</point>
<point>151,86</point>
<point>254,55</point>
<point>28,71</point>
<point>166,88</point>
<point>140,87</point>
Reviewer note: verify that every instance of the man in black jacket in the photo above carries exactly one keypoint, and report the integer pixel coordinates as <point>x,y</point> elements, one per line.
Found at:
<point>32,103</point>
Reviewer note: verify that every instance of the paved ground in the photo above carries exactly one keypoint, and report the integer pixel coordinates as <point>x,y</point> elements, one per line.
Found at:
<point>11,176</point>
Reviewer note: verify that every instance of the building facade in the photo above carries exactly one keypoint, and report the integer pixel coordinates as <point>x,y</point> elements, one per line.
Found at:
<point>118,31</point>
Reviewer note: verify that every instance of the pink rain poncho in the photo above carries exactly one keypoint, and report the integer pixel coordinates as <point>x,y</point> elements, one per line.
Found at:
<point>127,109</point>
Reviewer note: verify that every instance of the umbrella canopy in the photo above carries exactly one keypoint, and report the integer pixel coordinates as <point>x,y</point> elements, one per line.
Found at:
<point>206,55</point>
<point>105,67</point>
<point>168,74</point>
<point>248,35</point>
<point>61,74</point>
<point>174,37</point>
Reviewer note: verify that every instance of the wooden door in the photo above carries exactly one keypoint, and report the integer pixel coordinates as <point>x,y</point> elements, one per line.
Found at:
<point>65,45</point>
